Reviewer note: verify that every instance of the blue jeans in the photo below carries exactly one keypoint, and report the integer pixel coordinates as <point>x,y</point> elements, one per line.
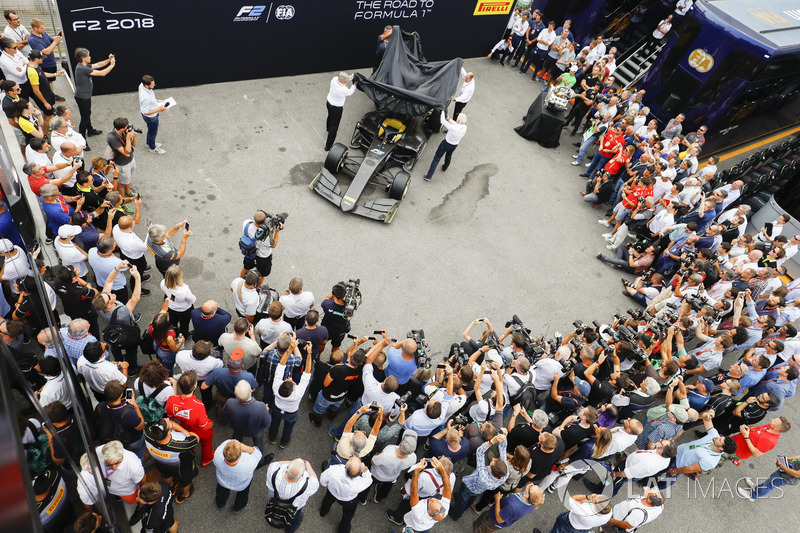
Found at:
<point>322,405</point>
<point>773,482</point>
<point>152,130</point>
<point>585,145</point>
<point>615,199</point>
<point>355,407</point>
<point>138,448</point>
<point>289,420</point>
<point>598,162</point>
<point>563,525</point>
<point>464,498</point>
<point>167,357</point>
<point>298,519</point>
<point>445,149</point>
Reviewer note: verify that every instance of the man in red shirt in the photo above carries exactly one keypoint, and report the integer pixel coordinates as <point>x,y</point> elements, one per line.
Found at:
<point>630,199</point>
<point>37,174</point>
<point>756,441</point>
<point>610,144</point>
<point>190,413</point>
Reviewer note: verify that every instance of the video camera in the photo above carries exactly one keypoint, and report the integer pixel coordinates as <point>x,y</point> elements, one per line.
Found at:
<point>352,297</point>
<point>624,333</point>
<point>457,356</point>
<point>268,227</point>
<point>422,356</point>
<point>529,346</point>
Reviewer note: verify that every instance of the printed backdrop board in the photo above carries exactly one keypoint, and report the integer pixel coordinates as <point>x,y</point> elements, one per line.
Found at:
<point>191,42</point>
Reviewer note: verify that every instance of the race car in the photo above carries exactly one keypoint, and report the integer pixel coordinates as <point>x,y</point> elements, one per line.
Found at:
<point>384,140</point>
<point>406,90</point>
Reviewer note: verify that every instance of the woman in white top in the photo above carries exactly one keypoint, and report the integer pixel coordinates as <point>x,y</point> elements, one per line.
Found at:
<point>181,299</point>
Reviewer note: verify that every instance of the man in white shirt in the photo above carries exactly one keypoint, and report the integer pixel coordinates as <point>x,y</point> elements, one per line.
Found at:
<point>426,512</point>
<point>270,328</point>
<point>683,7</point>
<point>150,107</point>
<point>245,295</point>
<point>392,461</point>
<point>13,63</point>
<point>17,32</point>
<point>344,483</point>
<point>634,512</point>
<point>37,152</point>
<point>62,132</point>
<point>131,247</point>
<point>296,303</point>
<point>456,129</point>
<point>295,481</point>
<point>464,93</point>
<point>55,388</point>
<point>97,370</point>
<point>70,254</point>
<point>339,91</point>
<point>288,396</point>
<point>265,238</point>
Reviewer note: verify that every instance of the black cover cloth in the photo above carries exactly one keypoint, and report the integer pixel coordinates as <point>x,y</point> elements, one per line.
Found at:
<point>405,83</point>
<point>542,125</point>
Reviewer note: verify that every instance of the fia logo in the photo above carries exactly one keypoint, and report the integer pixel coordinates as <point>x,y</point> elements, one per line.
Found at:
<point>284,12</point>
<point>249,13</point>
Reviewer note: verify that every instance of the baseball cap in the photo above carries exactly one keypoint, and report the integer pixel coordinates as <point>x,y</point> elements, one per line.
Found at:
<point>68,230</point>
<point>583,386</point>
<point>6,245</point>
<point>707,383</point>
<point>573,68</point>
<point>35,54</point>
<point>680,413</point>
<point>408,444</point>
<point>236,361</point>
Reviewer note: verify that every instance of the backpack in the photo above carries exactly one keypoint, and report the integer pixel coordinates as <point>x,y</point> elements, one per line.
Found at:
<point>247,245</point>
<point>526,396</point>
<point>38,451</point>
<point>121,335</point>
<point>280,513</point>
<point>109,429</point>
<point>152,411</point>
<point>146,344</point>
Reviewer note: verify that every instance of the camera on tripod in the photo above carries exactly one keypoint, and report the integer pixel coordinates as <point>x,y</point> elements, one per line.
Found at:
<point>422,356</point>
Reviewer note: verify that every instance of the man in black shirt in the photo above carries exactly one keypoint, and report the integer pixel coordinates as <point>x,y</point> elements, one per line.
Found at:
<point>334,320</point>
<point>121,419</point>
<point>76,296</point>
<point>155,508</point>
<point>603,391</point>
<point>749,412</point>
<point>311,332</point>
<point>336,384</point>
<point>544,454</point>
<point>526,434</point>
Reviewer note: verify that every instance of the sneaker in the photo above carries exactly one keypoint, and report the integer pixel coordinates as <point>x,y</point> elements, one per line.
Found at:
<point>587,165</point>
<point>145,292</point>
<point>393,519</point>
<point>273,441</point>
<point>137,316</point>
<point>92,133</point>
<point>575,163</point>
<point>59,98</point>
<point>599,256</point>
<point>158,145</point>
<point>551,489</point>
<point>574,156</point>
<point>49,240</point>
<point>362,502</point>
<point>744,493</point>
<point>609,240</point>
<point>146,277</point>
<point>331,432</point>
<point>148,269</point>
<point>749,482</point>
<point>158,150</point>
<point>427,178</point>
<point>313,420</point>
<point>265,460</point>
<point>285,445</point>
<point>606,235</point>
<point>604,222</point>
<point>375,498</point>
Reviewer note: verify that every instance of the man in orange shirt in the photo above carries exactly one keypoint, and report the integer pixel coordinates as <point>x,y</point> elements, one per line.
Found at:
<point>190,413</point>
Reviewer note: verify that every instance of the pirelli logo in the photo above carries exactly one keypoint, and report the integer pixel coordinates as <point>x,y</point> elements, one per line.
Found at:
<point>492,8</point>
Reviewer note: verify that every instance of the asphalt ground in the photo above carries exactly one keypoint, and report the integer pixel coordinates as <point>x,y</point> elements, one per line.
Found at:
<point>502,232</point>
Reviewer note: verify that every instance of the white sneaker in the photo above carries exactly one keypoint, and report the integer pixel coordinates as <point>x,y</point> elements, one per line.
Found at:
<point>574,156</point>
<point>587,165</point>
<point>744,493</point>
<point>749,482</point>
<point>604,222</point>
<point>158,145</point>
<point>574,163</point>
<point>606,235</point>
<point>158,150</point>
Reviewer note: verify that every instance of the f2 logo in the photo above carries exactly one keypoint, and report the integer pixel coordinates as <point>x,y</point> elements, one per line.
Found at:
<point>251,11</point>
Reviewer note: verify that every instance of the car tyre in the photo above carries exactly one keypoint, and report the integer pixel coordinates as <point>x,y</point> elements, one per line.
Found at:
<point>399,186</point>
<point>335,158</point>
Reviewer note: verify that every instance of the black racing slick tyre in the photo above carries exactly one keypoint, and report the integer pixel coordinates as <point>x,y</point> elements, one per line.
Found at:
<point>335,158</point>
<point>399,186</point>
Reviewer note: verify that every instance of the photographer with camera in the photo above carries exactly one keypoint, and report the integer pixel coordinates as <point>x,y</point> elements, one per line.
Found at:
<point>426,421</point>
<point>630,260</point>
<point>447,386</point>
<point>645,287</point>
<point>450,442</point>
<point>483,410</point>
<point>122,141</point>
<point>337,382</point>
<point>334,319</point>
<point>164,251</point>
<point>259,236</point>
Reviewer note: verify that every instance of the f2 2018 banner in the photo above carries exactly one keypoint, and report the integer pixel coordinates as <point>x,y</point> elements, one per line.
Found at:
<point>183,42</point>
